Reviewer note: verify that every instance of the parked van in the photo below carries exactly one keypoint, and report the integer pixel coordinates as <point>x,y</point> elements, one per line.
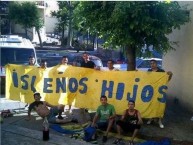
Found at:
<point>14,50</point>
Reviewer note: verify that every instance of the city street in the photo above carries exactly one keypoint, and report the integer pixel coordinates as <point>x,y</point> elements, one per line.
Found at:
<point>16,130</point>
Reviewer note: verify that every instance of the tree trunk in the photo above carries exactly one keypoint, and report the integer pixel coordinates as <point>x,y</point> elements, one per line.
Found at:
<point>40,39</point>
<point>62,38</point>
<point>130,52</point>
<point>69,41</point>
<point>26,33</point>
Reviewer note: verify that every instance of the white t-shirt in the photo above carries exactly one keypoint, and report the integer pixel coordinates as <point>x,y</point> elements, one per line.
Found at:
<point>107,69</point>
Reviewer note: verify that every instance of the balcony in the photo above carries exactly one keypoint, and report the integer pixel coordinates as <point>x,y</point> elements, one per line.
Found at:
<point>41,4</point>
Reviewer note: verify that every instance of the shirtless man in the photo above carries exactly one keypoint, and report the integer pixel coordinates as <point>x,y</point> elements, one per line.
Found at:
<point>41,107</point>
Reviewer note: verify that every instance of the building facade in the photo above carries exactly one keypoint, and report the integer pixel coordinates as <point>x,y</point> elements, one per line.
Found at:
<point>180,62</point>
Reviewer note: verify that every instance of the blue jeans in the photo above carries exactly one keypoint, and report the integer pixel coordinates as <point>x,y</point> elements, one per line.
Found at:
<point>52,115</point>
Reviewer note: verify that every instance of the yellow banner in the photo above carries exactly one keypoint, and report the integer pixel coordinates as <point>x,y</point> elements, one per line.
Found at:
<point>83,87</point>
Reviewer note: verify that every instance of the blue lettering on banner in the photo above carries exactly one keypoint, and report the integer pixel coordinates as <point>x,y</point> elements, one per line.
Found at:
<point>109,88</point>
<point>25,83</point>
<point>147,93</point>
<point>135,88</point>
<point>47,84</point>
<point>82,83</point>
<point>32,83</point>
<point>73,85</point>
<point>61,84</point>
<point>15,79</point>
<point>162,90</point>
<point>120,91</point>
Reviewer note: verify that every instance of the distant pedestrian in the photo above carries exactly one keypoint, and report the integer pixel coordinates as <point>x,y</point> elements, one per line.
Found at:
<point>87,63</point>
<point>104,117</point>
<point>41,107</point>
<point>131,121</point>
<point>155,68</point>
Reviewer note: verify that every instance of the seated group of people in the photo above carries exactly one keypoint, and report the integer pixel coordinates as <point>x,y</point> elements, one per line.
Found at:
<point>104,119</point>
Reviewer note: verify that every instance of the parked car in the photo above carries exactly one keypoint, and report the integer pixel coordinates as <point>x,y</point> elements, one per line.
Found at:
<point>142,64</point>
<point>51,41</point>
<point>73,58</point>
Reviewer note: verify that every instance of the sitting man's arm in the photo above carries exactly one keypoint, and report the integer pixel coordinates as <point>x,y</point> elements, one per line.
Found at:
<point>29,112</point>
<point>96,117</point>
<point>113,113</point>
<point>49,105</point>
<point>123,116</point>
<point>95,120</point>
<point>140,121</point>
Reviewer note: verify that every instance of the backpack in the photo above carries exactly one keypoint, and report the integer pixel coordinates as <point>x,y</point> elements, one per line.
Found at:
<point>88,133</point>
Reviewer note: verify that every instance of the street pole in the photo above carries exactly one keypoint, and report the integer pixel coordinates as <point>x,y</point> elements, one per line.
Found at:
<point>0,26</point>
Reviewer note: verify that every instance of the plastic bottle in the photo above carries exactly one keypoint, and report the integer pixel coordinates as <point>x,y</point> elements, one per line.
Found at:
<point>45,129</point>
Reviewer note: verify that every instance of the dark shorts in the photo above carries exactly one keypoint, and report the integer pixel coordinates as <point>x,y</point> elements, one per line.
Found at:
<point>52,115</point>
<point>102,125</point>
<point>126,127</point>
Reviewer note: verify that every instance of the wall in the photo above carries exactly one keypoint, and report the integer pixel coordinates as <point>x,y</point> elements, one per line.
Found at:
<point>50,23</point>
<point>180,62</point>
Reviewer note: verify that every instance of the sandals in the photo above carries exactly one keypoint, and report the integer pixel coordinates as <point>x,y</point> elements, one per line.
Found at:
<point>117,141</point>
<point>131,143</point>
<point>6,113</point>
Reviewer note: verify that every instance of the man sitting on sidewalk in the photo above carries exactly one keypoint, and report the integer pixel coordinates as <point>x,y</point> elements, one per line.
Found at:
<point>106,115</point>
<point>130,121</point>
<point>41,107</point>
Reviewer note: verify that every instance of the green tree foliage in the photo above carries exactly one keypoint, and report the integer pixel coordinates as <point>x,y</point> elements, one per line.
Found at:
<point>132,24</point>
<point>27,15</point>
<point>65,17</point>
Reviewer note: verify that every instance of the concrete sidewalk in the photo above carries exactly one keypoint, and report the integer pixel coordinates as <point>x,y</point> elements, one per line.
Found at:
<point>16,130</point>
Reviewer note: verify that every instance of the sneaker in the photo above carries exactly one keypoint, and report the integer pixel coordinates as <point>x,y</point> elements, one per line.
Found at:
<point>74,120</point>
<point>117,141</point>
<point>131,143</point>
<point>160,124</point>
<point>60,117</point>
<point>26,105</point>
<point>149,121</point>
<point>104,139</point>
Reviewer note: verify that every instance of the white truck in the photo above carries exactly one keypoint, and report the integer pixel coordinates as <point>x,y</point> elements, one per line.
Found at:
<point>14,50</point>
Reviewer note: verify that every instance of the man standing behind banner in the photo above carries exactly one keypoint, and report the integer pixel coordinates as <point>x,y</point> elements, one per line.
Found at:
<point>155,68</point>
<point>87,63</point>
<point>32,61</point>
<point>64,61</point>
<point>105,116</point>
<point>43,64</point>
<point>109,67</point>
